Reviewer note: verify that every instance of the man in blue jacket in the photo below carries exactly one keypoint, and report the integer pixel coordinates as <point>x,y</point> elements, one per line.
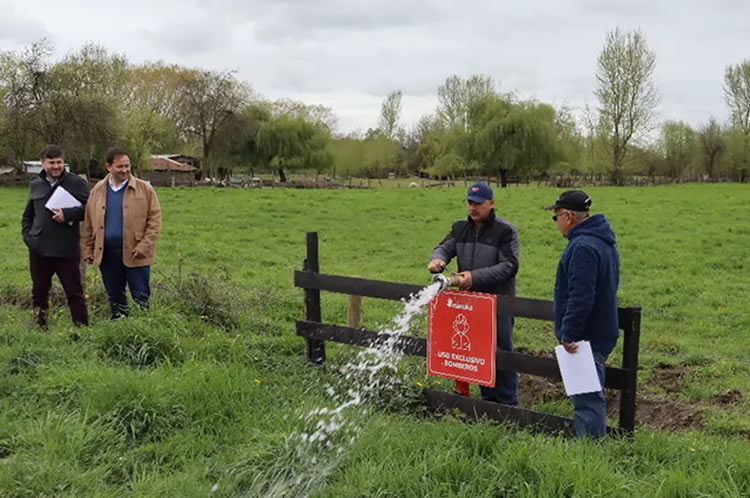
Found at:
<point>486,246</point>
<point>585,301</point>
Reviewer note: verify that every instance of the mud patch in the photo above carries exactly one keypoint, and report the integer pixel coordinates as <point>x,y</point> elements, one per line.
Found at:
<point>670,378</point>
<point>731,397</point>
<point>533,389</point>
<point>657,413</point>
<point>662,414</point>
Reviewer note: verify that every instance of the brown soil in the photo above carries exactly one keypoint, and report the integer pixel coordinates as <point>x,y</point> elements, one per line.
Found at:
<point>663,414</point>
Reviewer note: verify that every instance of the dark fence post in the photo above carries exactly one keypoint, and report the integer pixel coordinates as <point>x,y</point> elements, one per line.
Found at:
<point>632,332</point>
<point>315,349</point>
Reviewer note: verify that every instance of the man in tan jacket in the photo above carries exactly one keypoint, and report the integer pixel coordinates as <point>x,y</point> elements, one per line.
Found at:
<point>120,229</point>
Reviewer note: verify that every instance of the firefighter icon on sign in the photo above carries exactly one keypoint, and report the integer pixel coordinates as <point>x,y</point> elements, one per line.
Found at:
<point>460,339</point>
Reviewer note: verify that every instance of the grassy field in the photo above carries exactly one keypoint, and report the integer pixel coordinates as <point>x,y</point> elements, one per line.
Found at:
<point>207,394</point>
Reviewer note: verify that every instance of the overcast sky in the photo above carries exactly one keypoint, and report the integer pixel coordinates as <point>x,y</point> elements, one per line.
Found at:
<point>348,54</point>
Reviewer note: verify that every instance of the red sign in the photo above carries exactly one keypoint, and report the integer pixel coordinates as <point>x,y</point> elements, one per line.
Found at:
<point>461,336</point>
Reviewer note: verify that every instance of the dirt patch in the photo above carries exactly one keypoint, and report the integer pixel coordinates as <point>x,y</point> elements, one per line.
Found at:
<point>533,389</point>
<point>731,397</point>
<point>671,378</point>
<point>662,414</point>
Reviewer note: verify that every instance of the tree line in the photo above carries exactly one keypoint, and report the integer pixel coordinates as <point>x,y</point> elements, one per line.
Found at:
<point>92,99</point>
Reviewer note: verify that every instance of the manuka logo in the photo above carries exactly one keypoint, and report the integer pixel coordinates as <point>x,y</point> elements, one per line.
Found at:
<point>458,306</point>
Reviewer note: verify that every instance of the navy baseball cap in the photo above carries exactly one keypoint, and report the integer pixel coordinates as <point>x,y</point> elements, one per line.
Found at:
<point>479,192</point>
<point>573,200</point>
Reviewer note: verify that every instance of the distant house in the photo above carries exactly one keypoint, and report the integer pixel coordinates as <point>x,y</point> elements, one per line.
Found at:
<point>173,169</point>
<point>175,162</point>
<point>35,167</point>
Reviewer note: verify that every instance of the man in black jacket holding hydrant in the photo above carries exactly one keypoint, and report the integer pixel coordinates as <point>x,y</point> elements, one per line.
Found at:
<point>52,236</point>
<point>488,256</point>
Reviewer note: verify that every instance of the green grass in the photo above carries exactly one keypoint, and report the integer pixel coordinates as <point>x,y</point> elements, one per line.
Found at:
<point>205,391</point>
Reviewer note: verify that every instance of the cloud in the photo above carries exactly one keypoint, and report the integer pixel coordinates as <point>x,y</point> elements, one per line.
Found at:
<point>192,36</point>
<point>352,53</point>
<point>18,29</point>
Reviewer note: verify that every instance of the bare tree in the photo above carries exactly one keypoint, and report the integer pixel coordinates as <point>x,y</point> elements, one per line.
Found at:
<point>390,114</point>
<point>737,94</point>
<point>207,100</point>
<point>628,97</point>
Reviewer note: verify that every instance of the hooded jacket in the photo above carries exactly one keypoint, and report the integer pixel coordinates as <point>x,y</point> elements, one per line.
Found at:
<point>588,275</point>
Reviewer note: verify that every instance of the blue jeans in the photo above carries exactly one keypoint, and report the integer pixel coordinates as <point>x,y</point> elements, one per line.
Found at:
<point>116,275</point>
<point>590,409</point>
<point>506,383</point>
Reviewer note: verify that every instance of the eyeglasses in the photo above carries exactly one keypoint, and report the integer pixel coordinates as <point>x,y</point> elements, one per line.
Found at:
<point>554,217</point>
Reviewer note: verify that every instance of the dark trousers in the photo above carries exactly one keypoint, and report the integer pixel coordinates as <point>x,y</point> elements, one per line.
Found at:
<point>506,383</point>
<point>116,276</point>
<point>68,270</point>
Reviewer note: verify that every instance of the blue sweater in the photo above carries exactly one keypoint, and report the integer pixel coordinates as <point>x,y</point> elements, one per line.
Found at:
<point>586,286</point>
<point>113,220</point>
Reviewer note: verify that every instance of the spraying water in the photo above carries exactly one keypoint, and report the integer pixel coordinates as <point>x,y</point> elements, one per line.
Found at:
<point>330,430</point>
<point>371,372</point>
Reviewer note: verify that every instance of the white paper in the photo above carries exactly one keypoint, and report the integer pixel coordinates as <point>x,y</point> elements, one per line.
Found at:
<point>61,199</point>
<point>578,369</point>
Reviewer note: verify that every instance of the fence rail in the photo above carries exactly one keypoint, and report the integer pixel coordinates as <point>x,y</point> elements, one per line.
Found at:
<point>317,333</point>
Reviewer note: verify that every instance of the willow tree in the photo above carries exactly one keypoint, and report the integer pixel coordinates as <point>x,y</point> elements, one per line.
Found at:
<point>294,143</point>
<point>513,138</point>
<point>713,145</point>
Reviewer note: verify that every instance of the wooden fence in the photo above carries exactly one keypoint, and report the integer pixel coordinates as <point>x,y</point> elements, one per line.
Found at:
<point>316,333</point>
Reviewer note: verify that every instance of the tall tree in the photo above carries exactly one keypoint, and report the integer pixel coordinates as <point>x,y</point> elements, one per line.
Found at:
<point>237,141</point>
<point>712,146</point>
<point>313,113</point>
<point>23,81</point>
<point>293,143</point>
<point>207,99</point>
<point>737,93</point>
<point>390,114</point>
<point>628,97</point>
<point>511,138</point>
<point>456,94</point>
<point>678,144</point>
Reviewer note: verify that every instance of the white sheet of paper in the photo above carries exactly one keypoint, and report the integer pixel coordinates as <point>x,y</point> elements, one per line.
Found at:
<point>578,370</point>
<point>61,199</point>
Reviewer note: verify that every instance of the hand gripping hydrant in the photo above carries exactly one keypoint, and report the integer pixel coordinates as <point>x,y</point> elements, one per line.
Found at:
<point>445,282</point>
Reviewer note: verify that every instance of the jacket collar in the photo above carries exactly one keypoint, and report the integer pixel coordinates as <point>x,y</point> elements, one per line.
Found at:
<point>487,223</point>
<point>131,181</point>
<point>43,176</point>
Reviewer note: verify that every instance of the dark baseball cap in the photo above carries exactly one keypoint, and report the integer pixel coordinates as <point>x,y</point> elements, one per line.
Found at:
<point>479,192</point>
<point>574,200</point>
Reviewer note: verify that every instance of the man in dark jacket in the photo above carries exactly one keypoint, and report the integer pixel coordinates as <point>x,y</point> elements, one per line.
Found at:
<point>585,300</point>
<point>52,237</point>
<point>488,257</point>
